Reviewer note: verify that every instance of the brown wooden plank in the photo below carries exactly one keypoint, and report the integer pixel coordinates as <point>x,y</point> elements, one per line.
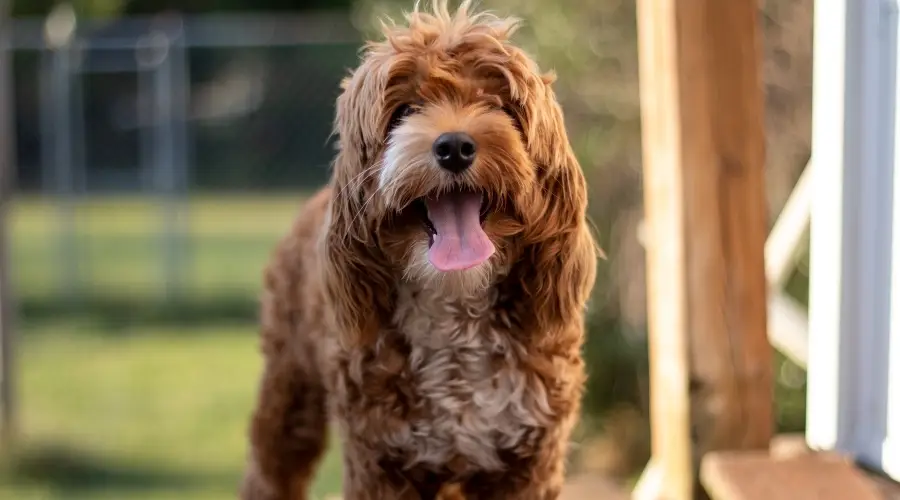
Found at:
<point>702,113</point>
<point>757,475</point>
<point>786,446</point>
<point>890,490</point>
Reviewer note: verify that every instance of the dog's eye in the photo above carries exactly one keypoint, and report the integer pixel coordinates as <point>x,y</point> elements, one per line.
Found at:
<point>512,114</point>
<point>399,114</point>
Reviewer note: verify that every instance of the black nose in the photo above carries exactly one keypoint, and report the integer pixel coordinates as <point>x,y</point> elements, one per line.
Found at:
<point>454,151</point>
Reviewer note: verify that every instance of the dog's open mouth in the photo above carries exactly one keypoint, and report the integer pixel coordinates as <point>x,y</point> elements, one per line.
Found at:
<point>453,221</point>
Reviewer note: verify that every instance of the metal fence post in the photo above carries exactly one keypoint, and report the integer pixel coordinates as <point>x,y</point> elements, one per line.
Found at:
<point>158,57</point>
<point>7,159</point>
<point>56,116</point>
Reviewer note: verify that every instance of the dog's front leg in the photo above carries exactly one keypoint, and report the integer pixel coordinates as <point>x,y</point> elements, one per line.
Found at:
<point>538,474</point>
<point>365,479</point>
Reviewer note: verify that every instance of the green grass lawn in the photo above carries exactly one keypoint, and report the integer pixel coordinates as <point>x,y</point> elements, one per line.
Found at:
<point>119,246</point>
<point>136,413</point>
<point>120,403</point>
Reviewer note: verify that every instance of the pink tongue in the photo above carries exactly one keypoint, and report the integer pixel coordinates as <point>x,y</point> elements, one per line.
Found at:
<point>460,243</point>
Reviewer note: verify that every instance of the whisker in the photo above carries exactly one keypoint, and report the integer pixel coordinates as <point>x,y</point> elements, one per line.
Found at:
<point>365,205</point>
<point>359,178</point>
<point>356,216</point>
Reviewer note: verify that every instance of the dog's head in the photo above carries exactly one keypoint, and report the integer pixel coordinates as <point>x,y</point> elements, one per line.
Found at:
<point>453,158</point>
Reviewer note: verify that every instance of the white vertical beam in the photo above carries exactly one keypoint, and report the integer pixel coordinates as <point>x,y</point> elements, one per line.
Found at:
<point>827,227</point>
<point>890,444</point>
<point>854,97</point>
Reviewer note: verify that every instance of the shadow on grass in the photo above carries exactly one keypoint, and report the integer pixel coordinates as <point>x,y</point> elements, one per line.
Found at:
<point>72,471</point>
<point>112,312</point>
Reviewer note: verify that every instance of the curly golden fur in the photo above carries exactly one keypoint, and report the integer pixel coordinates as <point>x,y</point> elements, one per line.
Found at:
<point>470,378</point>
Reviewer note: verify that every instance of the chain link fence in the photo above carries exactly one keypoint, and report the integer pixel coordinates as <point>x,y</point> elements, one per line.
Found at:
<point>161,157</point>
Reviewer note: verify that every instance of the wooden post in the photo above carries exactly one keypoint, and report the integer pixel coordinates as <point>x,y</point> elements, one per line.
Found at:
<point>7,141</point>
<point>702,114</point>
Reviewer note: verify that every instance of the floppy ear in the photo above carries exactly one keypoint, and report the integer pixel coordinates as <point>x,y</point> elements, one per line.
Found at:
<point>358,113</point>
<point>558,266</point>
<point>354,269</point>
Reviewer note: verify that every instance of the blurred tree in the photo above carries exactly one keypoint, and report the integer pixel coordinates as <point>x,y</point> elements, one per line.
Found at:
<point>284,137</point>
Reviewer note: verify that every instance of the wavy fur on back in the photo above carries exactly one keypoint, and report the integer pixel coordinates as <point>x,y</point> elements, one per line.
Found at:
<point>467,378</point>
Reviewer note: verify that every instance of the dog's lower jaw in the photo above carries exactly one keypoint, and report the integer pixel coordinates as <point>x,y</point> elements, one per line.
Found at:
<point>455,284</point>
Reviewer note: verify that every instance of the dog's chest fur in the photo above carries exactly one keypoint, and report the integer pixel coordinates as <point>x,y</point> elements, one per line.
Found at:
<point>474,395</point>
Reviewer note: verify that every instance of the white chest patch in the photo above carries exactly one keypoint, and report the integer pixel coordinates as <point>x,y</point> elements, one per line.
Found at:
<point>477,399</point>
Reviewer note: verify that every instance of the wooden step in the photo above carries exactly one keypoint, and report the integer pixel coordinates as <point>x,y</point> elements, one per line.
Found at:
<point>593,487</point>
<point>785,475</point>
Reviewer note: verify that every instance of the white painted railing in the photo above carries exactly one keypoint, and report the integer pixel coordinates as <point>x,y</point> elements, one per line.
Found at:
<point>785,245</point>
<point>788,320</point>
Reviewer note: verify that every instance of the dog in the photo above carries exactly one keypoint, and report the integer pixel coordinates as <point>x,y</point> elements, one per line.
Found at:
<point>431,299</point>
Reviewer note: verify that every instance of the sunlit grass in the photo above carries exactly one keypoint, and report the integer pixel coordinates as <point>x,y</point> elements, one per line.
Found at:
<point>136,413</point>
<point>119,245</point>
<point>119,402</point>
